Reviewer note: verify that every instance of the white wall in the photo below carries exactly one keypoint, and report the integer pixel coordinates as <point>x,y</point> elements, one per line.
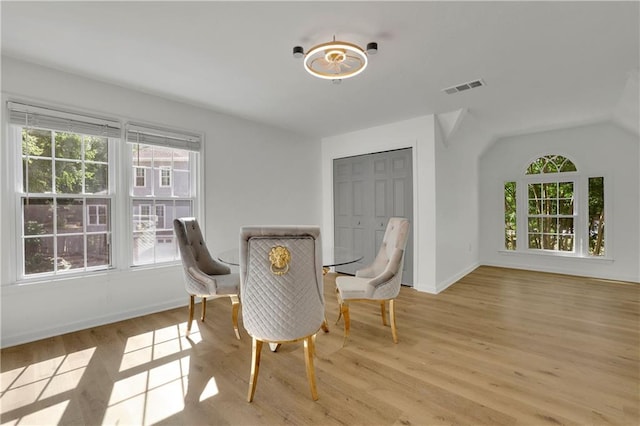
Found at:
<point>253,174</point>
<point>419,134</point>
<point>457,203</point>
<point>598,150</point>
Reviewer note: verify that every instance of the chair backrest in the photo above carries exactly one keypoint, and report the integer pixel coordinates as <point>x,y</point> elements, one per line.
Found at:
<point>281,281</point>
<point>395,236</point>
<point>195,254</point>
<point>389,261</point>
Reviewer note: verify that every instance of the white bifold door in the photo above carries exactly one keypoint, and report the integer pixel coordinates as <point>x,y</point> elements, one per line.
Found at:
<point>368,190</point>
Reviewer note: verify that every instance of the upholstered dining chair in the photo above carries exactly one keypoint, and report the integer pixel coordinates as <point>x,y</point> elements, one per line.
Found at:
<point>282,291</point>
<point>379,282</point>
<point>204,277</point>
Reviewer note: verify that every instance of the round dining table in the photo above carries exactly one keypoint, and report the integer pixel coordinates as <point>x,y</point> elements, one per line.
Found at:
<point>331,257</point>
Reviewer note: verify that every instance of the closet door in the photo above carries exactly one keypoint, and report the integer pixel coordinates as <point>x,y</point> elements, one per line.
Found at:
<point>368,190</point>
<point>352,207</point>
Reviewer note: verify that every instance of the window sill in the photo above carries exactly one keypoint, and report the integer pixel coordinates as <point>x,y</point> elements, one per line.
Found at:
<point>102,274</point>
<point>556,255</point>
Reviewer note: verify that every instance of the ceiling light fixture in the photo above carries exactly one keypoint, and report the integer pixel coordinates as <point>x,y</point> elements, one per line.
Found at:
<point>335,60</point>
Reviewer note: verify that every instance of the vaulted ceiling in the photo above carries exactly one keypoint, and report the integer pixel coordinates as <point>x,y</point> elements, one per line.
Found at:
<point>544,64</point>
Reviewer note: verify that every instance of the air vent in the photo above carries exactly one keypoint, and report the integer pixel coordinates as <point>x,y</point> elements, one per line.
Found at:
<point>463,86</point>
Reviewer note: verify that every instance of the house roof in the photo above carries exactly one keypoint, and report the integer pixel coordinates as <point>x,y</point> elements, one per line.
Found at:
<point>544,64</point>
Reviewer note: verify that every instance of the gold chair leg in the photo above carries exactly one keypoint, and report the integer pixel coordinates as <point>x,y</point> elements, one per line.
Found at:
<point>339,305</point>
<point>191,303</point>
<point>392,314</point>
<point>383,311</point>
<point>309,351</point>
<point>235,307</point>
<point>204,308</point>
<point>255,367</point>
<point>344,309</point>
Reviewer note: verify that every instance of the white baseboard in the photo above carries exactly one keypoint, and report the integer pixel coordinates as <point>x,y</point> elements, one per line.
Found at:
<point>443,285</point>
<point>18,339</point>
<point>562,271</point>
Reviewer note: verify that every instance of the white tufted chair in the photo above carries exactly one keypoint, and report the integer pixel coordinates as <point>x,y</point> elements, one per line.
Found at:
<point>203,276</point>
<point>282,298</point>
<point>381,280</point>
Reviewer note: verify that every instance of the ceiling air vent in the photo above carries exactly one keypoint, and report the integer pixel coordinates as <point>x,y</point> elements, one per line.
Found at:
<point>463,86</point>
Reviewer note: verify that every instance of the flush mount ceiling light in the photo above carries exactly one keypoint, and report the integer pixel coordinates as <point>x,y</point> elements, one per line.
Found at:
<point>335,60</point>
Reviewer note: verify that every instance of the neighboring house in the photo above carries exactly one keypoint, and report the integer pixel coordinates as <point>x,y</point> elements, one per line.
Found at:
<point>162,174</point>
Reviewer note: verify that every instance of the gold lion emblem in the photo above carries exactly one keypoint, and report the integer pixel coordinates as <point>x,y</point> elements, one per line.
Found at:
<point>280,258</point>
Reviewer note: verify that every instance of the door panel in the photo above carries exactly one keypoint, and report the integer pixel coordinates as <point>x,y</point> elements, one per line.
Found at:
<point>380,198</point>
<point>398,197</point>
<point>342,196</point>
<point>358,198</point>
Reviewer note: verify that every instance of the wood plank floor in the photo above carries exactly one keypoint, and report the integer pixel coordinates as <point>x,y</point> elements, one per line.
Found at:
<point>500,347</point>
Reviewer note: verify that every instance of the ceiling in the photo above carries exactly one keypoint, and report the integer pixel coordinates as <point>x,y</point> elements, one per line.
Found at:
<point>545,64</point>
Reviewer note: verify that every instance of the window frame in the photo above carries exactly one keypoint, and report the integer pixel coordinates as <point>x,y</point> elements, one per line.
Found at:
<point>195,181</point>
<point>121,177</point>
<point>20,194</point>
<point>523,211</point>
<point>162,176</point>
<point>144,177</point>
<point>580,181</point>
<point>97,214</point>
<point>163,216</point>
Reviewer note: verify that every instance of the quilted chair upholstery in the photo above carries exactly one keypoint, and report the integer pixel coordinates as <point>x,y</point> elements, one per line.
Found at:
<point>204,277</point>
<point>282,290</point>
<point>379,281</point>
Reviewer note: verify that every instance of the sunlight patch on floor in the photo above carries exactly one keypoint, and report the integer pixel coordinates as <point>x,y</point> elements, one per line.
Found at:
<point>47,416</point>
<point>40,381</point>
<point>150,396</point>
<point>159,391</point>
<point>157,344</point>
<point>211,389</point>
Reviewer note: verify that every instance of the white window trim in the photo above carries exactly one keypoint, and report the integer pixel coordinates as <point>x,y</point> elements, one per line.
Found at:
<point>581,211</point>
<point>164,217</point>
<point>120,178</point>
<point>97,207</point>
<point>196,179</point>
<point>144,177</point>
<point>18,275</point>
<point>164,169</point>
<point>523,204</point>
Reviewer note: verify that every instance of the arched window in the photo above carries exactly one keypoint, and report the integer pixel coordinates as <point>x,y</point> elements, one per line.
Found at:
<point>556,219</point>
<point>550,164</point>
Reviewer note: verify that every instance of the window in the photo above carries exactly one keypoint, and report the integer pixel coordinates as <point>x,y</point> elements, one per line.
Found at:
<point>551,217</point>
<point>553,210</point>
<point>97,214</point>
<point>171,159</point>
<point>144,217</point>
<point>160,222</point>
<point>64,190</point>
<point>165,176</point>
<point>595,225</point>
<point>510,214</point>
<point>140,177</point>
<point>66,200</point>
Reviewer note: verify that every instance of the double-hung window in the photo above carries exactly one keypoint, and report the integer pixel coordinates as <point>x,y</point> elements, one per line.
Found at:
<point>80,189</point>
<point>562,211</point>
<point>169,159</point>
<point>64,192</point>
<point>140,176</point>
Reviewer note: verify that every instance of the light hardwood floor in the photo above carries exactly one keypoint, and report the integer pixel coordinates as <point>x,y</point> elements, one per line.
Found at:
<point>500,347</point>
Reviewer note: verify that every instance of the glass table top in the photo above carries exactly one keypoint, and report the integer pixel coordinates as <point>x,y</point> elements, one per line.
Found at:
<point>331,256</point>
